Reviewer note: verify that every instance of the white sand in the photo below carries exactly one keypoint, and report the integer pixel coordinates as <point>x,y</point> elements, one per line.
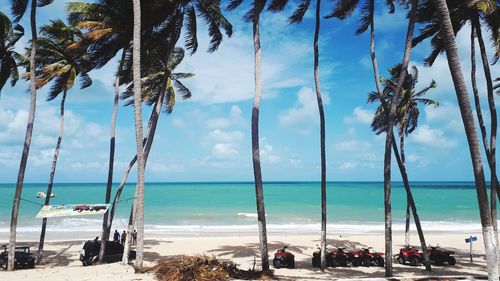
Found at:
<point>61,257</point>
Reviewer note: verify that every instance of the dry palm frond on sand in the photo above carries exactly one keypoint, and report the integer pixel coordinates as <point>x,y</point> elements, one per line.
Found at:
<point>202,268</point>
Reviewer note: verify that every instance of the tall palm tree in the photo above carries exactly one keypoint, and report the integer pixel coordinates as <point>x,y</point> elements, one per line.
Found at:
<point>154,86</point>
<point>253,16</point>
<point>109,30</point>
<point>477,13</point>
<point>18,9</point>
<point>57,61</point>
<point>298,15</point>
<point>343,10</point>
<point>448,39</point>
<point>9,36</point>
<point>138,132</point>
<point>407,114</point>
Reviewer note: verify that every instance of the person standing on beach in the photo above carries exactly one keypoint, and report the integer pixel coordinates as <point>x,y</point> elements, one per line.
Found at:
<point>124,237</point>
<point>116,236</point>
<point>134,237</point>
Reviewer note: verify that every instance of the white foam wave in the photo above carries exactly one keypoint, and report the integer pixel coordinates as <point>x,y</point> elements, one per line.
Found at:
<point>248,215</point>
<point>77,226</point>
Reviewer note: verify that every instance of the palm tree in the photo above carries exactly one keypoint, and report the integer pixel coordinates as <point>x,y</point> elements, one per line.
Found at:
<point>154,86</point>
<point>57,61</point>
<point>448,39</point>
<point>298,15</point>
<point>9,36</point>
<point>342,10</point>
<point>406,121</point>
<point>253,15</point>
<point>139,201</point>
<point>462,12</point>
<point>18,10</point>
<point>109,30</point>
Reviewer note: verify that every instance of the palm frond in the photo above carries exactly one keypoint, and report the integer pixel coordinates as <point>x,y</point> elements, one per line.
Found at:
<point>299,13</point>
<point>18,9</point>
<point>233,4</point>
<point>183,90</point>
<point>343,9</point>
<point>191,40</point>
<point>366,17</point>
<point>85,80</point>
<point>277,5</point>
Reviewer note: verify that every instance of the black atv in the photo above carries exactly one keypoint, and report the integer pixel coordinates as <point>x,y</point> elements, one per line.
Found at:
<point>89,254</point>
<point>23,257</point>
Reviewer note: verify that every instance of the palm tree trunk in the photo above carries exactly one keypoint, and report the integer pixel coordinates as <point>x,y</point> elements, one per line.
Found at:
<point>403,162</point>
<point>388,142</point>
<point>147,143</point>
<point>51,178</point>
<point>259,193</point>
<point>490,242</point>
<point>27,142</point>
<point>109,185</point>
<point>493,114</point>
<point>482,127</point>
<point>372,49</point>
<point>322,135</point>
<point>138,131</point>
<point>411,203</point>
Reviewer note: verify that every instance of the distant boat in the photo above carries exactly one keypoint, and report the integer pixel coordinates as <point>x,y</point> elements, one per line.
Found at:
<point>43,195</point>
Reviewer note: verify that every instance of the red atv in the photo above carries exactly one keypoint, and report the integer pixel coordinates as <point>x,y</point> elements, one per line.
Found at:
<point>367,257</point>
<point>410,255</point>
<point>439,257</point>
<point>283,259</point>
<point>341,257</point>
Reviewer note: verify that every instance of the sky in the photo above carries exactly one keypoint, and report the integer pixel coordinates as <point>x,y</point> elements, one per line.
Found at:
<point>208,137</point>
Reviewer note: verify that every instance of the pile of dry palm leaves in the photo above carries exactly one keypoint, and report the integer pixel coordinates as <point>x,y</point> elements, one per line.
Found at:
<point>202,268</point>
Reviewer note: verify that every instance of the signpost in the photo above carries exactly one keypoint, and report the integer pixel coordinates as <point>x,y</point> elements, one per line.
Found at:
<point>470,240</point>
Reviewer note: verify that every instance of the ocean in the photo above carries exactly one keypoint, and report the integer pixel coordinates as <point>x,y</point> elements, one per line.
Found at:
<point>229,207</point>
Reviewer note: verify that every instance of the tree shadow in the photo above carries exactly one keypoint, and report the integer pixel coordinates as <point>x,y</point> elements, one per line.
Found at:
<point>253,249</point>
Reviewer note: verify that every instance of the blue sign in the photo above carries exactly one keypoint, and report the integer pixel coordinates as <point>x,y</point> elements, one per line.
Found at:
<point>471,239</point>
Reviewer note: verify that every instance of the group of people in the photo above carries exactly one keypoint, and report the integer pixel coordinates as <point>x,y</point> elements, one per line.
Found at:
<point>123,237</point>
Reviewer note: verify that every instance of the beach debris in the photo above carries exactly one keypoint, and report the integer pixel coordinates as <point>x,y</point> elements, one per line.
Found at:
<point>202,268</point>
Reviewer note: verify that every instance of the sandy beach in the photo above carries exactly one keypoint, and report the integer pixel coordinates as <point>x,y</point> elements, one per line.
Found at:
<point>61,258</point>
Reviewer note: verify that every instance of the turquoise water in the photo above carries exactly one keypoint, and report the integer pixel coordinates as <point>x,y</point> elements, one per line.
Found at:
<point>226,207</point>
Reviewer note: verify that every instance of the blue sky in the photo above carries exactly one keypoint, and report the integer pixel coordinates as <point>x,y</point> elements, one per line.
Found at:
<point>207,138</point>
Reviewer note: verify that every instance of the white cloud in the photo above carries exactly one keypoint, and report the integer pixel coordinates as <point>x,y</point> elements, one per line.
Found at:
<point>304,113</point>
<point>268,155</point>
<point>348,165</point>
<point>360,116</point>
<point>177,122</point>
<point>447,115</point>
<point>224,136</point>
<point>234,119</point>
<point>352,145</point>
<point>225,151</point>
<point>432,137</point>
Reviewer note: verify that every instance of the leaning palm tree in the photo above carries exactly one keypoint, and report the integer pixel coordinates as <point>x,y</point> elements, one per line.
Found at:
<point>448,39</point>
<point>18,9</point>
<point>9,36</point>
<point>342,10</point>
<point>253,16</point>
<point>159,89</point>
<point>298,15</point>
<point>406,121</point>
<point>58,62</point>
<point>480,13</point>
<point>109,30</point>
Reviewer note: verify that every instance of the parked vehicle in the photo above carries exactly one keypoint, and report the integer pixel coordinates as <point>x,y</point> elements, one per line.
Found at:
<point>367,257</point>
<point>89,254</point>
<point>341,257</point>
<point>439,257</point>
<point>409,255</point>
<point>283,259</point>
<point>23,257</point>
